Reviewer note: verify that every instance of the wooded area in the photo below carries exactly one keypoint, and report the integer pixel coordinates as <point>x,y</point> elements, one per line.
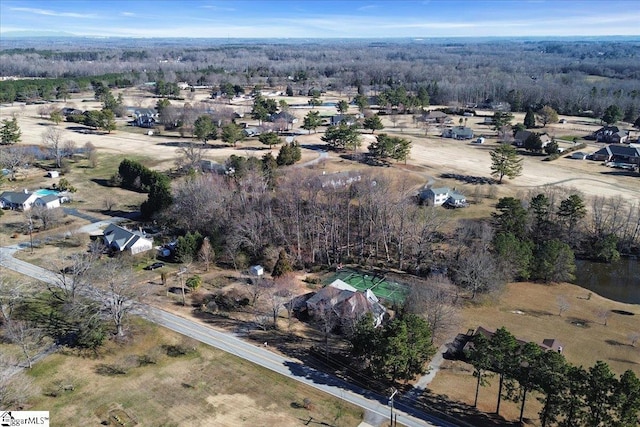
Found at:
<point>573,77</point>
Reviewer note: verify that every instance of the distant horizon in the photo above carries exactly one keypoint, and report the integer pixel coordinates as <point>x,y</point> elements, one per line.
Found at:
<point>329,19</point>
<point>54,35</point>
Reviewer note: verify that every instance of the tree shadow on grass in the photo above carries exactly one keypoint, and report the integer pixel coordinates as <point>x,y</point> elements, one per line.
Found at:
<point>617,359</point>
<point>616,343</point>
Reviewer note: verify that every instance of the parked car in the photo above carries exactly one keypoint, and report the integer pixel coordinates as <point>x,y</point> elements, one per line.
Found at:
<point>154,266</point>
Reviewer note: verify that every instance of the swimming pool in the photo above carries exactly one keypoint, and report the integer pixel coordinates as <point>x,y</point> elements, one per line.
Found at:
<point>45,192</point>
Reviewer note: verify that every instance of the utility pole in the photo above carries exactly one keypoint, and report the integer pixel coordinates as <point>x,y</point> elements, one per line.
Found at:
<point>31,231</point>
<point>391,404</point>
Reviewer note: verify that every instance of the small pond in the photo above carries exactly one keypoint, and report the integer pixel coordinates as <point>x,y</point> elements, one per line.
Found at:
<point>619,281</point>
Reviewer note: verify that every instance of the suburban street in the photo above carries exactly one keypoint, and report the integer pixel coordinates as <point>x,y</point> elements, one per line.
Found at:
<point>229,343</point>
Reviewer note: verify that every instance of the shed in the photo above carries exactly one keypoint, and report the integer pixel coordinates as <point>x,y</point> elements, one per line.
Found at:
<point>256,270</point>
<point>53,174</point>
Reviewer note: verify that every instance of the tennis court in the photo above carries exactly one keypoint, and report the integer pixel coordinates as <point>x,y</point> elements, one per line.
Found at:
<point>382,288</point>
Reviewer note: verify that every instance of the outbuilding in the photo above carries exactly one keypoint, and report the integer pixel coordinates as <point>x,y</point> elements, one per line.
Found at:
<point>256,270</point>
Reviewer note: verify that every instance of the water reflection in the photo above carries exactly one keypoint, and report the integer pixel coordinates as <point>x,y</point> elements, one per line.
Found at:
<point>619,281</point>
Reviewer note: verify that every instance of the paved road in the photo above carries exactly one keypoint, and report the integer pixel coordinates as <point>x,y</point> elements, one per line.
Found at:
<point>288,367</point>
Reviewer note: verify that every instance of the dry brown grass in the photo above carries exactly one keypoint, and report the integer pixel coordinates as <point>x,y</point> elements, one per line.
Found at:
<point>207,387</point>
<point>530,311</point>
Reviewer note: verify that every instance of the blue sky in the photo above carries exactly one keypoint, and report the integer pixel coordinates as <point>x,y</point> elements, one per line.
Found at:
<point>323,19</point>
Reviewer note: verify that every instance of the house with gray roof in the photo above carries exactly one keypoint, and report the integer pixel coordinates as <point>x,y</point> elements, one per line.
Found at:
<point>17,200</point>
<point>442,196</point>
<point>346,302</point>
<point>120,239</point>
<point>458,132</point>
<point>618,153</point>
<point>611,135</point>
<point>522,135</point>
<point>50,201</point>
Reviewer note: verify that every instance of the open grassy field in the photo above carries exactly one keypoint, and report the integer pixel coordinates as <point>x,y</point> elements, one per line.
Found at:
<point>531,311</point>
<point>205,388</point>
<point>150,382</point>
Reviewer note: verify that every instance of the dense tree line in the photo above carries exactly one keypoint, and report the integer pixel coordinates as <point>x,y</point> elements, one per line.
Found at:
<point>570,395</point>
<point>397,350</point>
<point>371,219</point>
<point>135,176</point>
<point>526,74</point>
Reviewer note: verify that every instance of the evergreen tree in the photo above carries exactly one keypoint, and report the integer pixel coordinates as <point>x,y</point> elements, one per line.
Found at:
<point>342,106</point>
<point>529,119</point>
<point>107,120</point>
<point>505,162</point>
<point>269,139</point>
<point>390,147</point>
<point>204,129</point>
<point>361,101</point>
<point>479,355</point>
<point>612,114</point>
<point>10,132</point>
<point>599,395</point>
<point>374,123</point>
<point>342,137</point>
<point>551,381</point>
<point>554,261</point>
<point>232,133</point>
<point>627,400</point>
<point>511,217</point>
<point>312,120</point>
<point>533,143</point>
<point>504,347</point>
<point>288,154</point>
<point>282,266</point>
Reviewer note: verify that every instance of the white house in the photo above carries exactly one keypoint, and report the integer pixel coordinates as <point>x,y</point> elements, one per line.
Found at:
<point>434,196</point>
<point>22,201</point>
<point>121,239</point>
<point>50,201</point>
<point>442,196</point>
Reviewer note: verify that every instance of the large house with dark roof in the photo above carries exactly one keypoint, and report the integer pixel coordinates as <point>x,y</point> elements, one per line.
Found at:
<point>611,135</point>
<point>344,301</point>
<point>619,153</point>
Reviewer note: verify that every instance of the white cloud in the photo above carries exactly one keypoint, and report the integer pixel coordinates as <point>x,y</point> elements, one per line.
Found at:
<point>369,7</point>
<point>53,13</point>
<point>222,9</point>
<point>127,14</point>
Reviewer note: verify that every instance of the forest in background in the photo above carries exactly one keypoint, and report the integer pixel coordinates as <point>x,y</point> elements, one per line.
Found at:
<point>574,77</point>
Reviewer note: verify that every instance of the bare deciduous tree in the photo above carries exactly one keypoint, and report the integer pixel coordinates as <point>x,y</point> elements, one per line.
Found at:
<point>14,157</point>
<point>25,334</point>
<point>435,301</point>
<point>15,388</point>
<point>91,153</point>
<point>52,138</point>
<point>206,254</point>
<point>74,277</point>
<point>563,305</point>
<point>48,217</point>
<point>109,202</point>
<point>121,294</point>
<point>189,156</point>
<point>603,315</point>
